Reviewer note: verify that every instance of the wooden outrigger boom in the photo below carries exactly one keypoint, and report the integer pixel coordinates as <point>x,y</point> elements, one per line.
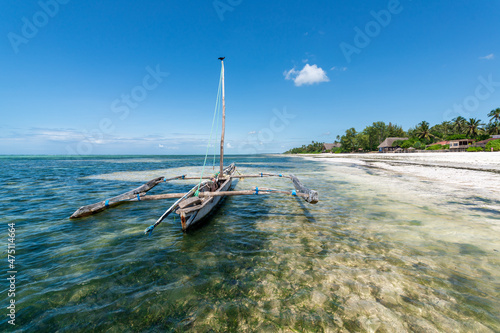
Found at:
<point>196,204</point>
<point>312,196</point>
<point>139,194</point>
<point>102,205</point>
<point>254,191</point>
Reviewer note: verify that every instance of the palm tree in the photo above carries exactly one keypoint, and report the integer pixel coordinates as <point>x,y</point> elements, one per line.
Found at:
<point>442,130</point>
<point>474,126</point>
<point>494,115</point>
<point>492,128</point>
<point>423,131</point>
<point>459,124</point>
<point>446,128</point>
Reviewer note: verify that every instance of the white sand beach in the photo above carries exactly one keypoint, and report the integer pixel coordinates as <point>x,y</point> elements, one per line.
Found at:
<point>476,171</point>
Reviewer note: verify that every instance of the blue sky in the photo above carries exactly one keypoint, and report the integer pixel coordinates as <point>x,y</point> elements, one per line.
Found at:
<point>123,77</point>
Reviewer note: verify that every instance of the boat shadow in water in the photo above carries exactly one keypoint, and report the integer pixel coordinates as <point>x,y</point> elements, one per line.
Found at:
<point>310,216</point>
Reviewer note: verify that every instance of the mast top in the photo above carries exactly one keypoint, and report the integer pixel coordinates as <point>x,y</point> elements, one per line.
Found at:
<point>222,58</point>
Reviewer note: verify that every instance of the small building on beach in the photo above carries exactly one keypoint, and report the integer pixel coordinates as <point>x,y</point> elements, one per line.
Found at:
<point>461,145</point>
<point>330,146</point>
<point>386,145</point>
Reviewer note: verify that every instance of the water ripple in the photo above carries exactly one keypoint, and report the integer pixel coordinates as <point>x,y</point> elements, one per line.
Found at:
<point>379,252</point>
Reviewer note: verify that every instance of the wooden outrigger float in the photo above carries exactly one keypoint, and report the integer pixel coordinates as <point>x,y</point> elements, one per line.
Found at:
<point>198,203</point>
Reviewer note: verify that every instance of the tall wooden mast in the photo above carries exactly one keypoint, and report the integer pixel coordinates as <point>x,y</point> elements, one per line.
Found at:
<point>221,172</point>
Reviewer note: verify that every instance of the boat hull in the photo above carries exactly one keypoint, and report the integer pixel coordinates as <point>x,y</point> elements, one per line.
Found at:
<point>192,218</point>
<point>198,216</point>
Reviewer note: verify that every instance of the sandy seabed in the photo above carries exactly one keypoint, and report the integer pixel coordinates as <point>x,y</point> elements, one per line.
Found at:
<point>441,209</point>
<point>397,243</point>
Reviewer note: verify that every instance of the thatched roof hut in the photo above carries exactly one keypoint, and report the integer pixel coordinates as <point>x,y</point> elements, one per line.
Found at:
<point>330,146</point>
<point>389,141</point>
<point>387,144</point>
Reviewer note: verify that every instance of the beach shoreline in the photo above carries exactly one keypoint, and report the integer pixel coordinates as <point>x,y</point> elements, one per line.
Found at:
<point>476,171</point>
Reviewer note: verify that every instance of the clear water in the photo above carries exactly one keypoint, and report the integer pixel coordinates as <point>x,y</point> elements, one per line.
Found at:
<point>380,252</point>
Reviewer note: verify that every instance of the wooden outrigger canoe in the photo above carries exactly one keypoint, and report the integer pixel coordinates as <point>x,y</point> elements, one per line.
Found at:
<point>198,203</point>
<point>194,209</point>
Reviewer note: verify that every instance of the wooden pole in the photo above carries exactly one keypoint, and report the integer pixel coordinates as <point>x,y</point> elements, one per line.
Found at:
<point>170,210</point>
<point>311,196</point>
<point>221,174</point>
<point>220,194</point>
<point>263,175</point>
<point>191,178</point>
<point>100,206</point>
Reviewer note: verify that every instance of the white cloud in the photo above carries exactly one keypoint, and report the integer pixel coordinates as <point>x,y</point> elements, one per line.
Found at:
<point>307,76</point>
<point>229,146</point>
<point>490,56</point>
<point>288,74</point>
<point>252,132</point>
<point>73,136</point>
<point>342,69</point>
<point>73,141</point>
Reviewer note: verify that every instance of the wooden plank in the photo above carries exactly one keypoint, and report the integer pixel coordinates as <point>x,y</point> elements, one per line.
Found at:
<point>263,175</point>
<point>188,209</point>
<point>197,178</point>
<point>100,206</point>
<point>220,194</point>
<point>189,202</point>
<point>312,196</point>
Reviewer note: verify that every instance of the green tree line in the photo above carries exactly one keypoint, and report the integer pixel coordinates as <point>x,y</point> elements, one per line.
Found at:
<point>418,136</point>
<point>313,148</point>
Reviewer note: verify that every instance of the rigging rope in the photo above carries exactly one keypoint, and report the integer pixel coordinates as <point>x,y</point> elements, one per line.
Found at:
<point>211,131</point>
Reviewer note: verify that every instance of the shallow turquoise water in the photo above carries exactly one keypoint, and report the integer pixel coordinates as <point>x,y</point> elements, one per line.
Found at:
<point>379,252</point>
